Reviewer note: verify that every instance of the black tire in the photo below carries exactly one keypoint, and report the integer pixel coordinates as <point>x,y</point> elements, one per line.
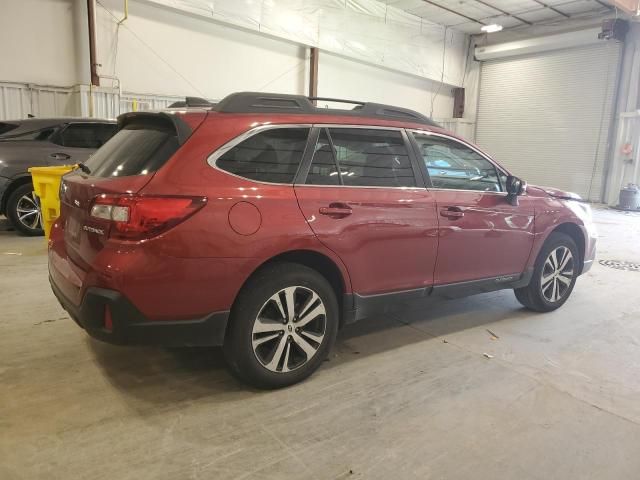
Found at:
<point>534,296</point>
<point>257,297</point>
<point>16,199</point>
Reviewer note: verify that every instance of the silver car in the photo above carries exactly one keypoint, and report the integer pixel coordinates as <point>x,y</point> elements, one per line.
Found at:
<point>39,142</point>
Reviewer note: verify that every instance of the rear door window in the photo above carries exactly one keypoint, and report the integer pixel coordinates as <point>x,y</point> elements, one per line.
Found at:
<point>137,149</point>
<point>364,157</point>
<point>272,155</point>
<point>86,135</point>
<point>323,170</point>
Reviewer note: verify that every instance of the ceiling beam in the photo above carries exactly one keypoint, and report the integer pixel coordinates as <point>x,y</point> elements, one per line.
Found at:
<point>554,9</point>
<point>504,12</point>
<point>620,4</point>
<point>471,19</point>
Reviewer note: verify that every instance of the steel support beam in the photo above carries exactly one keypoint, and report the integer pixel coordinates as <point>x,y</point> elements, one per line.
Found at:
<point>91,15</point>
<point>313,72</point>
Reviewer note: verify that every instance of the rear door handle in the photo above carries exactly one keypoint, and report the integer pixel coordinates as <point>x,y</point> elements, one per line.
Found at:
<point>336,210</point>
<point>60,156</point>
<point>452,212</point>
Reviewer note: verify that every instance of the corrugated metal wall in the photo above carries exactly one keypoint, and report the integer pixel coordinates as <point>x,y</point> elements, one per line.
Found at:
<point>547,116</point>
<point>17,100</point>
<point>460,126</point>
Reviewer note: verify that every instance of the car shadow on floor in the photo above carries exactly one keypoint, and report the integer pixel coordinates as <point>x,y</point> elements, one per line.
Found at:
<point>5,226</point>
<point>170,376</point>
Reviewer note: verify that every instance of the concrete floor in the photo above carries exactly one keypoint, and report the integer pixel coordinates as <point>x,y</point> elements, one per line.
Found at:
<point>403,397</point>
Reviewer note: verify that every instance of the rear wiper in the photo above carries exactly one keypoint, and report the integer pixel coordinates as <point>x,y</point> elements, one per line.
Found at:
<point>84,168</point>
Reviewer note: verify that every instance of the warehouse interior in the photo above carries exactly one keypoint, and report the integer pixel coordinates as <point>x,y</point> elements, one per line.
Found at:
<point>474,387</point>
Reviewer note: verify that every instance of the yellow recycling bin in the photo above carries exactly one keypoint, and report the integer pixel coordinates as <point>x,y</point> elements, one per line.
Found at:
<point>46,185</point>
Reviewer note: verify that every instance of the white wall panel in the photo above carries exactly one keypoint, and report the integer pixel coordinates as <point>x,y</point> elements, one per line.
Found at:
<point>172,48</point>
<point>160,51</point>
<point>343,78</point>
<point>461,127</point>
<point>547,116</point>
<point>19,100</point>
<point>37,42</point>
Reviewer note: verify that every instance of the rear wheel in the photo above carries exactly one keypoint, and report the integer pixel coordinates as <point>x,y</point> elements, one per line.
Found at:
<point>282,326</point>
<point>23,210</point>
<point>554,275</point>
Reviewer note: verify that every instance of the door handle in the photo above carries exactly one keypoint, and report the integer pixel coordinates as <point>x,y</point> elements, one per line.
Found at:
<point>336,210</point>
<point>60,156</point>
<point>452,212</point>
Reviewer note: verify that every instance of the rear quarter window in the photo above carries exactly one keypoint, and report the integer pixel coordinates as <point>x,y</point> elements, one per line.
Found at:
<point>7,127</point>
<point>272,155</point>
<point>36,135</point>
<point>137,149</point>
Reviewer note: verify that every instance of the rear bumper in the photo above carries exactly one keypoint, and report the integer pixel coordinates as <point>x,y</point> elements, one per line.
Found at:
<point>130,327</point>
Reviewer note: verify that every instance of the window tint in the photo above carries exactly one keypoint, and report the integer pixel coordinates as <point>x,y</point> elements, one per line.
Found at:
<point>372,157</point>
<point>7,127</point>
<point>323,169</point>
<point>85,135</point>
<point>137,149</point>
<point>270,156</point>
<point>452,165</point>
<point>37,135</point>
<point>104,132</point>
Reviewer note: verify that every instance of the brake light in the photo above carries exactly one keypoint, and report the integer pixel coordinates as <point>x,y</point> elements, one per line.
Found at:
<point>137,217</point>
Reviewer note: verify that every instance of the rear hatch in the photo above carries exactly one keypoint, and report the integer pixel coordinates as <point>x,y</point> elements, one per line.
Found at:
<point>121,168</point>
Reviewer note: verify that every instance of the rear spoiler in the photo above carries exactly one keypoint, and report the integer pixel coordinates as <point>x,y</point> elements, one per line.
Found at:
<point>183,130</point>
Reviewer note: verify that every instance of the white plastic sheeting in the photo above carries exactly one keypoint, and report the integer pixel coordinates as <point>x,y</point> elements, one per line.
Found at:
<point>366,30</point>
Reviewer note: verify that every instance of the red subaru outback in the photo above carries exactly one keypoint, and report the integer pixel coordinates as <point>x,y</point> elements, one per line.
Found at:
<point>264,223</point>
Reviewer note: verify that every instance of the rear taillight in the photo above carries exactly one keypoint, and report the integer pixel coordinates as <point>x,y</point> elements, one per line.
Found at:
<point>137,217</point>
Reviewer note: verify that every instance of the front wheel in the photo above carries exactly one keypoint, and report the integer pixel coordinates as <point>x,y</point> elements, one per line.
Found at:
<point>282,326</point>
<point>23,211</point>
<point>554,275</point>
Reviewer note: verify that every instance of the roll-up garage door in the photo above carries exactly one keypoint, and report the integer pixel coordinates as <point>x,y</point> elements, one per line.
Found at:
<point>547,116</point>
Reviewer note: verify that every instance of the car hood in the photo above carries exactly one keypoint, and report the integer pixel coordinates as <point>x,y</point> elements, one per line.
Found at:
<point>556,193</point>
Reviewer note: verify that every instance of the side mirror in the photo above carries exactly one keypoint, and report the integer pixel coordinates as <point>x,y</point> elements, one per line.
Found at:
<point>515,187</point>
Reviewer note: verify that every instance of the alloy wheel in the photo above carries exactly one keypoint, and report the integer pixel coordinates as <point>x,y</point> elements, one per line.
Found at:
<point>28,211</point>
<point>557,274</point>
<point>289,329</point>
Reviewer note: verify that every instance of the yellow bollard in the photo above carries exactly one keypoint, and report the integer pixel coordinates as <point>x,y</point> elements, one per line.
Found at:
<point>46,185</point>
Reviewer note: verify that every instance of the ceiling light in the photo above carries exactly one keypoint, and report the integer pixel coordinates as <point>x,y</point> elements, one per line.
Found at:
<point>494,27</point>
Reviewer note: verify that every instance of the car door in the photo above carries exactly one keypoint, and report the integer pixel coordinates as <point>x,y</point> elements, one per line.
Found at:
<point>360,192</point>
<point>77,141</point>
<point>481,234</point>
<point>29,149</point>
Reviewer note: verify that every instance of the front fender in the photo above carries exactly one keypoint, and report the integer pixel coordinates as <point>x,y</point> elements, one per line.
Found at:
<point>551,214</point>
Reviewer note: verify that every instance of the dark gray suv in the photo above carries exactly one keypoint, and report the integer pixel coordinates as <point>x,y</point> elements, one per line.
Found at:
<point>39,142</point>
